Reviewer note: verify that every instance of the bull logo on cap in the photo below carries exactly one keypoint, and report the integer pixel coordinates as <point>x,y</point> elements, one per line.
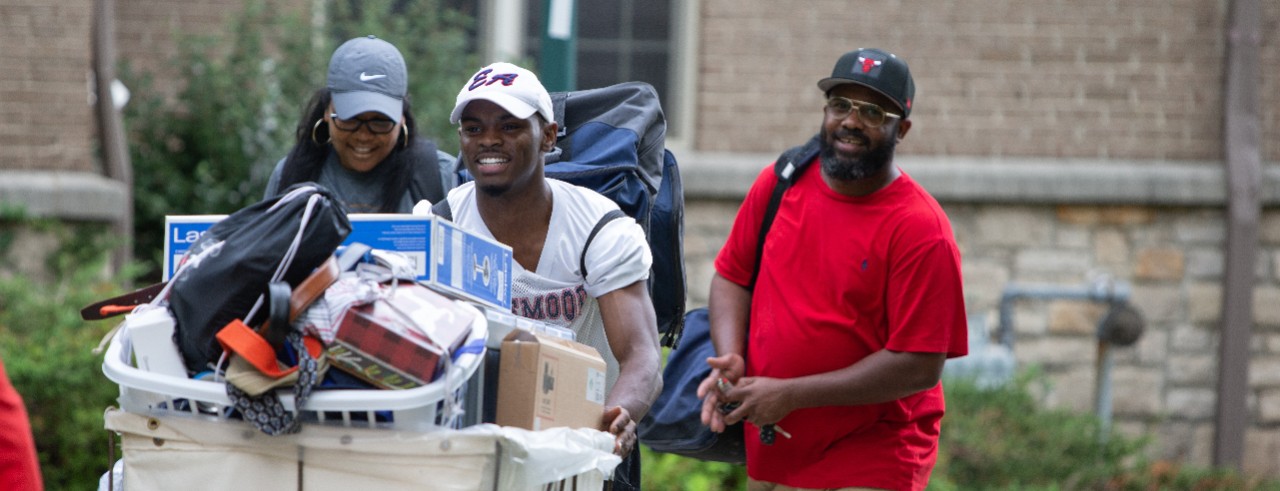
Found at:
<point>868,64</point>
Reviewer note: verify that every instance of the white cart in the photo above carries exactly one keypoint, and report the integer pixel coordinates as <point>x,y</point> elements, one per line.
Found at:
<point>176,434</point>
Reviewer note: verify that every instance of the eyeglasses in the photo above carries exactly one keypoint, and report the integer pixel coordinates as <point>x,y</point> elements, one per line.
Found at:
<point>376,126</point>
<point>869,113</point>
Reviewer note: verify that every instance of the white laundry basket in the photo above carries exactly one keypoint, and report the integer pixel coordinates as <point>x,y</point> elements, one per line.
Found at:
<point>419,408</point>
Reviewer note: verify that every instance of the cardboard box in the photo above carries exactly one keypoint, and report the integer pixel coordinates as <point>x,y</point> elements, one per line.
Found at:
<point>545,382</point>
<point>397,342</point>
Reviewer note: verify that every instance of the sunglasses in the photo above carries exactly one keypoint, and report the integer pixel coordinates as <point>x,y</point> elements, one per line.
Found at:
<point>376,126</point>
<point>869,113</point>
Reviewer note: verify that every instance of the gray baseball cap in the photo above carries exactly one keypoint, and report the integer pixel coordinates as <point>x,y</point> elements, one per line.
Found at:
<point>368,74</point>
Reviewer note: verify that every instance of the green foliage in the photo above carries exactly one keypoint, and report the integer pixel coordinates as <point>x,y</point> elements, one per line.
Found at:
<point>673,472</point>
<point>1000,439</point>
<point>1003,439</point>
<point>47,352</point>
<point>211,149</point>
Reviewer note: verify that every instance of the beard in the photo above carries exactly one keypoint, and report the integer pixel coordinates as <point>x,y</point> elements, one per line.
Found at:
<point>873,160</point>
<point>493,190</point>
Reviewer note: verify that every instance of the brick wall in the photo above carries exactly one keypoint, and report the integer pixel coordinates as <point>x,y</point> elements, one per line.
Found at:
<point>1047,78</point>
<point>46,121</point>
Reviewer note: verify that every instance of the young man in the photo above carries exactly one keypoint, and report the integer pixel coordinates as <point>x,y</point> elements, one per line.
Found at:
<point>506,124</point>
<point>857,304</point>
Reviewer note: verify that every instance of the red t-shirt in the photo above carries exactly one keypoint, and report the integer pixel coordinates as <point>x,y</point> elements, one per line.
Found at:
<point>19,469</point>
<point>844,277</point>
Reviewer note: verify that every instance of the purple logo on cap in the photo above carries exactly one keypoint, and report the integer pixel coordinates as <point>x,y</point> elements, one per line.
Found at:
<point>868,63</point>
<point>482,79</point>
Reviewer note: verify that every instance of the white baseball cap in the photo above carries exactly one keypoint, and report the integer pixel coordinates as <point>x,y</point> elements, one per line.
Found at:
<point>368,74</point>
<point>515,89</point>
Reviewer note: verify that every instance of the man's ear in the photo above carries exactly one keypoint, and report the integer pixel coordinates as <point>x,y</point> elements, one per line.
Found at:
<point>903,127</point>
<point>549,131</point>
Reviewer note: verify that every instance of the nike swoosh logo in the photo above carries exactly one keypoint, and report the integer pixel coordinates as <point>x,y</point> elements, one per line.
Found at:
<point>366,78</point>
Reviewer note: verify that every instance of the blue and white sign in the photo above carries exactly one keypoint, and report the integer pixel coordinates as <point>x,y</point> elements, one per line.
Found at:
<point>402,233</point>
<point>474,267</point>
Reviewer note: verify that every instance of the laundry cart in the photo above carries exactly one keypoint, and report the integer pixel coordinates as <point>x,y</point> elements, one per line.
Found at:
<point>179,433</point>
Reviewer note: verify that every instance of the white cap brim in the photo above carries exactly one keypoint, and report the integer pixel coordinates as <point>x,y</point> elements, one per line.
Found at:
<point>513,105</point>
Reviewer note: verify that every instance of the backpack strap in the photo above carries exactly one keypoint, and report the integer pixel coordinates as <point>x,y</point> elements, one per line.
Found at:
<point>442,209</point>
<point>425,183</point>
<point>604,220</point>
<point>788,166</point>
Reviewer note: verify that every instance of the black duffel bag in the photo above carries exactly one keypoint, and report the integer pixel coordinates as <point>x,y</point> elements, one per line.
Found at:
<point>226,273</point>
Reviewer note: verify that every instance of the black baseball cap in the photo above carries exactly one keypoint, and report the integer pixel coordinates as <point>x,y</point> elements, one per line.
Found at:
<point>878,70</point>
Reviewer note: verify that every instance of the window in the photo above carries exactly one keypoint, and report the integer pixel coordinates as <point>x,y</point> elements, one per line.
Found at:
<point>621,41</point>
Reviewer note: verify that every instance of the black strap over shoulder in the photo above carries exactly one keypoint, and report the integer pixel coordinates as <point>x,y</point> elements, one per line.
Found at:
<point>604,220</point>
<point>442,209</point>
<point>787,167</point>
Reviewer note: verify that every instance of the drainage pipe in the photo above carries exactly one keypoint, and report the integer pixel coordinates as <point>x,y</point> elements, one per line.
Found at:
<point>1241,148</point>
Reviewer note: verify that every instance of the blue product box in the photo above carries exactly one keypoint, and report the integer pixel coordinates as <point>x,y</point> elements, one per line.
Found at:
<point>402,233</point>
<point>470,266</point>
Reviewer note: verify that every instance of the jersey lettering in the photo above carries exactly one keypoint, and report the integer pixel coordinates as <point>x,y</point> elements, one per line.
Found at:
<point>564,305</point>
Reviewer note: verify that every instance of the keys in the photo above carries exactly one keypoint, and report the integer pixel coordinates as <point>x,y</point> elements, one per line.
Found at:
<point>768,433</point>
<point>723,385</point>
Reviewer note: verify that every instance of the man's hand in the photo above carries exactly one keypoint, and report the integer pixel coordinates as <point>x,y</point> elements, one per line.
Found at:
<point>764,401</point>
<point>617,421</point>
<point>730,367</point>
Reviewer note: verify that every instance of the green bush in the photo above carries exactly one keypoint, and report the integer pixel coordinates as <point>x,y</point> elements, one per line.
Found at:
<point>212,148</point>
<point>1003,439</point>
<point>673,472</point>
<point>47,352</point>
<point>1000,439</point>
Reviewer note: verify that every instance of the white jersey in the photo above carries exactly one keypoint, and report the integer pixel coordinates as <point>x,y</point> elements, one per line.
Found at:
<point>557,293</point>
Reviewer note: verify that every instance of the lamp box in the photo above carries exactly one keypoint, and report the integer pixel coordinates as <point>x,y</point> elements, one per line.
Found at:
<point>470,266</point>
<point>401,233</point>
<point>546,381</point>
<point>447,258</point>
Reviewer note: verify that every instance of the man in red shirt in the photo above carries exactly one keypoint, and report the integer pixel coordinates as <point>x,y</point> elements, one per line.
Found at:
<point>857,305</point>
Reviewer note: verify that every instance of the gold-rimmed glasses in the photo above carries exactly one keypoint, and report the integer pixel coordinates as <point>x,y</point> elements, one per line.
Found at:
<point>869,113</point>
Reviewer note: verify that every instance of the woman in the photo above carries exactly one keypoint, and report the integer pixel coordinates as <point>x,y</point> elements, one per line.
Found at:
<point>357,136</point>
